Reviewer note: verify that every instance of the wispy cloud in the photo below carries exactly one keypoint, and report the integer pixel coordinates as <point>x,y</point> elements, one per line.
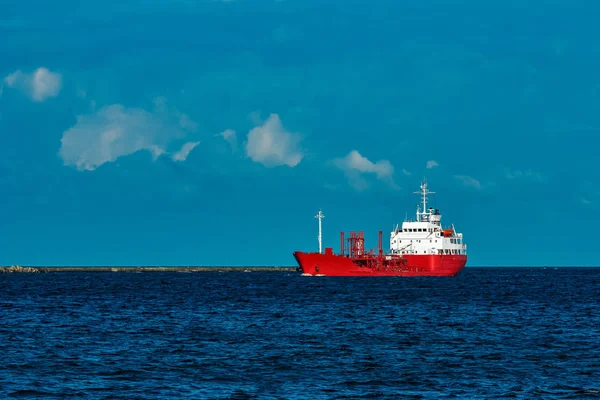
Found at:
<point>526,175</point>
<point>588,195</point>
<point>38,85</point>
<point>185,150</point>
<point>405,172</point>
<point>469,181</point>
<point>161,106</point>
<point>230,137</point>
<point>272,145</point>
<point>354,166</point>
<point>432,164</point>
<point>115,131</point>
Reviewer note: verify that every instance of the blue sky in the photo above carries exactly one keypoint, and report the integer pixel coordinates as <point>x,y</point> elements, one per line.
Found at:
<point>210,132</point>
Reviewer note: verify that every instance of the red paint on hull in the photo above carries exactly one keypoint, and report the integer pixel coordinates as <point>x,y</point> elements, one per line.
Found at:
<point>408,265</point>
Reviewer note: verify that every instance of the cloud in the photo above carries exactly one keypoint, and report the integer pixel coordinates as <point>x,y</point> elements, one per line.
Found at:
<point>229,136</point>
<point>182,154</point>
<point>271,145</point>
<point>39,85</point>
<point>588,195</point>
<point>161,106</point>
<point>432,164</point>
<point>528,175</point>
<point>469,181</point>
<point>186,122</point>
<point>405,172</point>
<point>355,165</point>
<point>115,131</point>
<point>589,199</point>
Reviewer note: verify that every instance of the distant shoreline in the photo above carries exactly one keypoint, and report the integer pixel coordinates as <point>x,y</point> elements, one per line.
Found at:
<point>17,269</point>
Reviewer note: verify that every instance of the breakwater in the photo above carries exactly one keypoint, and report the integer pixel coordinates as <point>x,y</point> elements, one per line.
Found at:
<point>20,269</point>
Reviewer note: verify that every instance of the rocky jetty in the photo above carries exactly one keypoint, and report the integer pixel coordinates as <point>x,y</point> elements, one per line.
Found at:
<point>17,268</point>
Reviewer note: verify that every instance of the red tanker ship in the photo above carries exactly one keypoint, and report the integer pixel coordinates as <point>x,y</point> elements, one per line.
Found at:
<point>418,248</point>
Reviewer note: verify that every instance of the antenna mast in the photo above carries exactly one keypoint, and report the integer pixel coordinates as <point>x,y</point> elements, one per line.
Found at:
<point>320,216</point>
<point>424,192</point>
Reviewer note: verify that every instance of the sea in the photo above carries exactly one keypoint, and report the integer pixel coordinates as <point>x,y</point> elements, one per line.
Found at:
<point>488,333</point>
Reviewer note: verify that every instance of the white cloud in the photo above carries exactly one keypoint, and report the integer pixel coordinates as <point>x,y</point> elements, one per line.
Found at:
<point>161,107</point>
<point>271,145</point>
<point>405,172</point>
<point>432,164</point>
<point>160,104</point>
<point>229,136</point>
<point>588,195</point>
<point>115,131</point>
<point>186,122</point>
<point>39,85</point>
<point>589,199</point>
<point>469,181</point>
<point>255,118</point>
<point>355,165</point>
<point>182,154</point>
<point>527,175</point>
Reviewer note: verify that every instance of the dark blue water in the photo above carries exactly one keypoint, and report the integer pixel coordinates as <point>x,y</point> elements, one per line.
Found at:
<point>488,333</point>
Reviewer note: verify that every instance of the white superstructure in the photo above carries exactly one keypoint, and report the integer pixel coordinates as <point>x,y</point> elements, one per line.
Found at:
<point>425,235</point>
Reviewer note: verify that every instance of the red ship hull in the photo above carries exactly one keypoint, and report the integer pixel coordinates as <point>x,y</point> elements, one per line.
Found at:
<point>407,265</point>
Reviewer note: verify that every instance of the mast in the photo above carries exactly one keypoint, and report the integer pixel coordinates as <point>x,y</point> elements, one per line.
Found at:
<point>424,192</point>
<point>320,216</point>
